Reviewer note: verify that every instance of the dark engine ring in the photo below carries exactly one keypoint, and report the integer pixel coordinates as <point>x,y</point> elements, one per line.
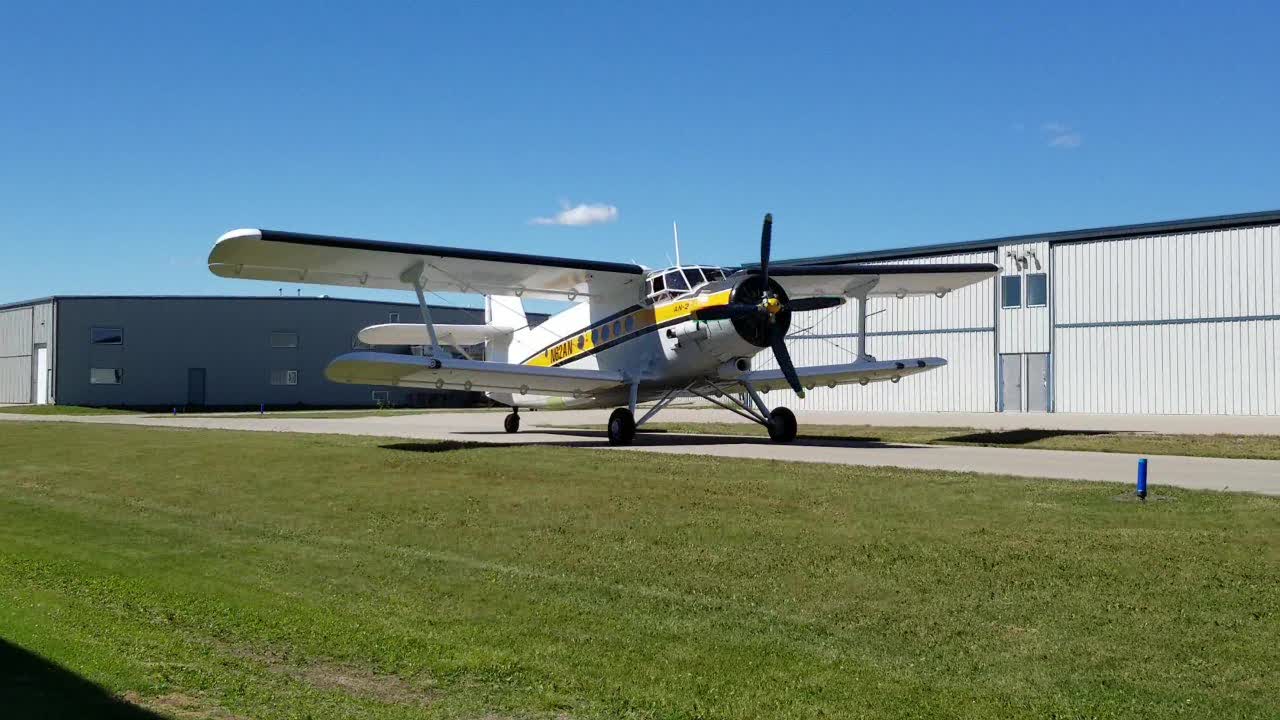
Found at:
<point>755,329</point>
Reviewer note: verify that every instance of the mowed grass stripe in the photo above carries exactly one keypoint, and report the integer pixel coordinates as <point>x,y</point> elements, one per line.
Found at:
<point>558,581</point>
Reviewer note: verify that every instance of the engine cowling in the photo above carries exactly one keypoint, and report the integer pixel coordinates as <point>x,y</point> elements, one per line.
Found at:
<point>755,329</point>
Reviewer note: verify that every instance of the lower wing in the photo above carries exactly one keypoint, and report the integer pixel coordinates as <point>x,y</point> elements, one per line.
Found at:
<point>375,368</point>
<point>416,334</point>
<point>849,373</point>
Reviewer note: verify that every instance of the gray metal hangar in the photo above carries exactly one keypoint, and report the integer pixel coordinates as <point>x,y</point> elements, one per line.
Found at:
<point>162,351</point>
<point>1179,317</point>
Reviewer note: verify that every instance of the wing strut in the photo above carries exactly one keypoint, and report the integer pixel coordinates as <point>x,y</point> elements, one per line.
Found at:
<point>414,275</point>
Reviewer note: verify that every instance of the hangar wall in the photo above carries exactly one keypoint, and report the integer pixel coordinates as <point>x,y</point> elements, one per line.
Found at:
<point>1179,317</point>
<point>219,351</point>
<point>960,328</point>
<point>1185,323</point>
<point>23,329</point>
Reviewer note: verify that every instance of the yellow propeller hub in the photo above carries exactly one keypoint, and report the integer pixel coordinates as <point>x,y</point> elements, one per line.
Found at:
<point>773,305</point>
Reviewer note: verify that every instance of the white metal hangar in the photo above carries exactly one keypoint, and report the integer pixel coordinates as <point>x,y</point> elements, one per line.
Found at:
<point>1179,317</point>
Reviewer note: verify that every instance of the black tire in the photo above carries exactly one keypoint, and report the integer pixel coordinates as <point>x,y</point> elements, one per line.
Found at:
<point>782,425</point>
<point>622,427</point>
<point>511,423</point>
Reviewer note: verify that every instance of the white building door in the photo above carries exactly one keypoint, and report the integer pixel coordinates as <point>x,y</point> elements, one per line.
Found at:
<point>42,375</point>
<point>1037,382</point>
<point>1011,383</point>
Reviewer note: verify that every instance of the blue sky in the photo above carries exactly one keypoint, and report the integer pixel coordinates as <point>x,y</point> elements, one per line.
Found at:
<point>131,136</point>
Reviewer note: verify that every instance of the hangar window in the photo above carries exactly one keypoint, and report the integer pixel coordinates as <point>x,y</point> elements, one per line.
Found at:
<point>284,377</point>
<point>1011,291</point>
<point>106,336</point>
<point>1037,290</point>
<point>106,376</point>
<point>382,397</point>
<point>284,340</point>
<point>393,317</point>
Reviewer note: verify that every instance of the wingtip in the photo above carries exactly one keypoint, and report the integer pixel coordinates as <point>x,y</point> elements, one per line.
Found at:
<point>241,233</point>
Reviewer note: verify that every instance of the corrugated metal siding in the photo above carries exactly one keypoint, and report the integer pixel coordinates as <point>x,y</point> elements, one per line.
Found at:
<point>1174,324</point>
<point>958,327</point>
<point>15,332</point>
<point>15,379</point>
<point>1024,329</point>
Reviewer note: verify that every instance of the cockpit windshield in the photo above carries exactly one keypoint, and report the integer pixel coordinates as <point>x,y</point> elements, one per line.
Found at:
<point>675,282</point>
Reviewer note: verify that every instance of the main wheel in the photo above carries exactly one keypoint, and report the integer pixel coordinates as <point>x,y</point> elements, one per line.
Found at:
<point>782,425</point>
<point>511,423</point>
<point>622,427</point>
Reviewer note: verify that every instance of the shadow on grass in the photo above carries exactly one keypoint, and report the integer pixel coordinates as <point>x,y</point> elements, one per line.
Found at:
<point>437,446</point>
<point>1017,437</point>
<point>32,687</point>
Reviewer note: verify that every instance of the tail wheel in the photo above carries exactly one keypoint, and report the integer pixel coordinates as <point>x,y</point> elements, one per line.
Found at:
<point>622,427</point>
<point>511,423</point>
<point>782,425</point>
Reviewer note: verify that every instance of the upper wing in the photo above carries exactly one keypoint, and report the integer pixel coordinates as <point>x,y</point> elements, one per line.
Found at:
<point>872,280</point>
<point>326,260</point>
<point>374,368</point>
<point>832,375</point>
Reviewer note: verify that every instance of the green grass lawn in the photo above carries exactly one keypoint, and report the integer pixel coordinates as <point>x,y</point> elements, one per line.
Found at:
<point>63,410</point>
<point>1262,447</point>
<point>215,574</point>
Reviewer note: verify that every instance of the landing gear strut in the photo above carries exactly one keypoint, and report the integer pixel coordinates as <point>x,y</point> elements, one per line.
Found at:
<point>512,422</point>
<point>622,427</point>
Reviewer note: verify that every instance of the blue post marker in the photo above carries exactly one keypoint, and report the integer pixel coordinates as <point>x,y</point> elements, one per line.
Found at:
<point>1142,478</point>
<point>262,408</point>
<point>175,409</point>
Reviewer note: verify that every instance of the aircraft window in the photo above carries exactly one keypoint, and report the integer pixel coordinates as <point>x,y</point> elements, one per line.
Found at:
<point>631,323</point>
<point>582,340</point>
<point>595,336</point>
<point>675,281</point>
<point>657,284</point>
<point>617,328</point>
<point>604,333</point>
<point>694,276</point>
<point>713,274</point>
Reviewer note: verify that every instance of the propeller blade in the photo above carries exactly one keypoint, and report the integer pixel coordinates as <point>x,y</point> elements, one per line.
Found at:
<point>777,341</point>
<point>726,312</point>
<point>813,303</point>
<point>766,241</point>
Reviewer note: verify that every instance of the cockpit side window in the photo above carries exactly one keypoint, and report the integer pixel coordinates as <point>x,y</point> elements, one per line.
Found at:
<point>694,276</point>
<point>657,284</point>
<point>675,281</point>
<point>713,274</point>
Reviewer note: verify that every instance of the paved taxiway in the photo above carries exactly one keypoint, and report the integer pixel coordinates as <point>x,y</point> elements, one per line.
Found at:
<point>1259,476</point>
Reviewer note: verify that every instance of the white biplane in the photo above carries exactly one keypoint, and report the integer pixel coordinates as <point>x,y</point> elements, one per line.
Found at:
<point>632,335</point>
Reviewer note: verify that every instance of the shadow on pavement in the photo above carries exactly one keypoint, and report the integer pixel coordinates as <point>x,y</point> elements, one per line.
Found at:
<point>32,687</point>
<point>666,438</point>
<point>1017,437</point>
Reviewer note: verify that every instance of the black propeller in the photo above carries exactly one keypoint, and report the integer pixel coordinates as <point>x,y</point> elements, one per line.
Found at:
<point>773,310</point>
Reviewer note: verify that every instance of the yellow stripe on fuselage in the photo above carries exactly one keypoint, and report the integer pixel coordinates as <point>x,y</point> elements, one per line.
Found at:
<point>587,340</point>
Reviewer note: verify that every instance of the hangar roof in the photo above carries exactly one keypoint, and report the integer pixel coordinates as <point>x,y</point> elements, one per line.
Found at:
<point>1215,222</point>
<point>277,298</point>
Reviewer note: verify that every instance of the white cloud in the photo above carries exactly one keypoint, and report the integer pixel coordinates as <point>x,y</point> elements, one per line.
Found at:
<point>580,214</point>
<point>1062,136</point>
